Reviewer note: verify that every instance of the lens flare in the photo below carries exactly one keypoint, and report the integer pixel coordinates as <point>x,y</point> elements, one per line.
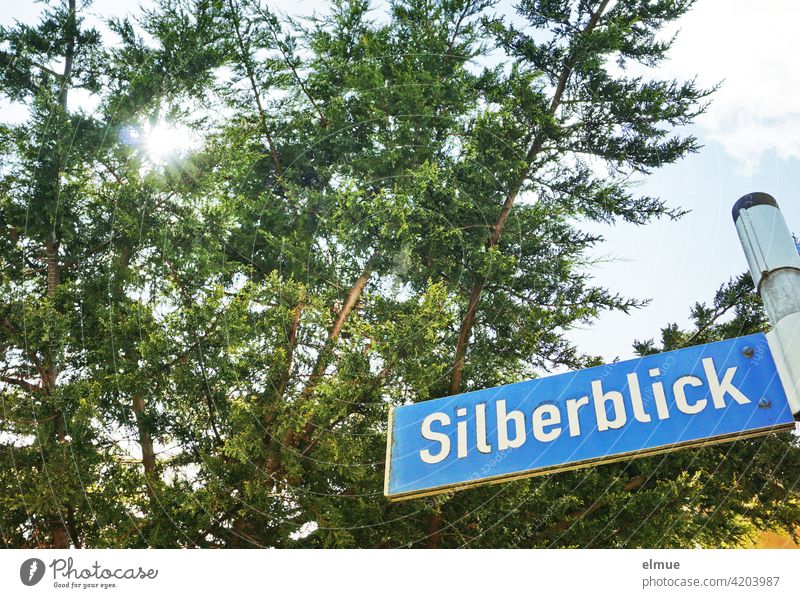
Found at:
<point>163,141</point>
<point>158,142</point>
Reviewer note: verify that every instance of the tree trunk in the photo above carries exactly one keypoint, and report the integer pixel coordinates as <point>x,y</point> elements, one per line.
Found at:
<point>468,321</point>
<point>323,359</point>
<point>60,536</point>
<point>463,337</point>
<point>434,530</point>
<point>146,443</point>
<point>59,532</point>
<point>535,148</point>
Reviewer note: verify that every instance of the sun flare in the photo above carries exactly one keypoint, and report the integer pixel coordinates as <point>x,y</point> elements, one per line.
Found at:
<point>161,141</point>
<point>165,140</point>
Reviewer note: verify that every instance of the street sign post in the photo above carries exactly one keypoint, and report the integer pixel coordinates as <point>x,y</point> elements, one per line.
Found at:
<point>711,393</point>
<point>775,267</point>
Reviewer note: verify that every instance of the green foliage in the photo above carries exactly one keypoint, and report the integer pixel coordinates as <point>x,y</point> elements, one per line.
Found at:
<point>741,488</point>
<point>199,348</point>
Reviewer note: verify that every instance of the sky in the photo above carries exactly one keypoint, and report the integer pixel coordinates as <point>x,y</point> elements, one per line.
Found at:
<point>751,142</point>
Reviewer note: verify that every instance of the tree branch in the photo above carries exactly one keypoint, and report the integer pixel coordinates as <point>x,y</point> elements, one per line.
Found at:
<point>572,518</point>
<point>468,321</point>
<point>247,61</point>
<point>25,385</point>
<point>323,121</point>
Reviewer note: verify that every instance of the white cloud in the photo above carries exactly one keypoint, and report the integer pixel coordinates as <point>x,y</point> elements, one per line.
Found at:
<point>752,46</point>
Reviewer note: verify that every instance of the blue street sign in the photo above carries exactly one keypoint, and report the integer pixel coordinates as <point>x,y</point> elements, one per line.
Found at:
<point>659,403</point>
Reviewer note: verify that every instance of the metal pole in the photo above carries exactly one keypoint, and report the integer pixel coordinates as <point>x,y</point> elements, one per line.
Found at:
<point>775,266</point>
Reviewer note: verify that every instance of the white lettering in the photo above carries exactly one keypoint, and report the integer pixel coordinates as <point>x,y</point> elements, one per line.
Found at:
<point>503,442</point>
<point>661,397</point>
<point>461,434</point>
<point>480,423</point>
<point>573,405</point>
<point>543,416</point>
<point>439,437</point>
<point>679,390</point>
<point>720,389</point>
<point>600,400</point>
<point>636,399</point>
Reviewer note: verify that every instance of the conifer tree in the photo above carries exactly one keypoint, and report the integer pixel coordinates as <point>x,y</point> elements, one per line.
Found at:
<point>199,347</point>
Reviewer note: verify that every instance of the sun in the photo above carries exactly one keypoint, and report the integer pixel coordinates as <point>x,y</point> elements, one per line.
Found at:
<point>160,142</point>
<point>165,140</point>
